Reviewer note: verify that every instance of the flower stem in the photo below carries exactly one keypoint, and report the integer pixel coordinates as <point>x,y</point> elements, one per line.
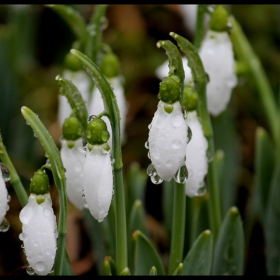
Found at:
<point>200,81</point>
<point>178,227</point>
<point>199,30</point>
<point>14,178</point>
<point>111,107</point>
<point>59,178</point>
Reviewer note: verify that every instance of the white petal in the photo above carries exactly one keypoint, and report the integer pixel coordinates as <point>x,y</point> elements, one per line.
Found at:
<point>82,81</point>
<point>163,70</point>
<point>217,56</point>
<point>167,140</point>
<point>196,156</point>
<point>73,160</point>
<point>39,234</point>
<point>3,198</point>
<point>96,106</point>
<point>98,182</point>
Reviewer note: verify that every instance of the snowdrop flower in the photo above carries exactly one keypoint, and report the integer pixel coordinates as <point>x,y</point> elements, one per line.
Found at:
<point>168,134</point>
<point>39,228</point>
<point>4,199</point>
<point>73,157</point>
<point>98,175</point>
<point>217,56</point>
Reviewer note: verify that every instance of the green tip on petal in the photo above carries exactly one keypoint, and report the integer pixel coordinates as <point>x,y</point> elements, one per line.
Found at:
<point>97,133</point>
<point>72,129</point>
<point>170,89</point>
<point>110,65</point>
<point>189,98</point>
<point>40,183</point>
<point>219,18</point>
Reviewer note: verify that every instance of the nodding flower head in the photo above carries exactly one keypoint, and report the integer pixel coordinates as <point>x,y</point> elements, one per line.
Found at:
<point>4,199</point>
<point>39,228</point>
<point>97,170</point>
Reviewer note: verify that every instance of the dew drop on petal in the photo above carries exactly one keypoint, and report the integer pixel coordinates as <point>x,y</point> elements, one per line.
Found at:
<point>22,236</point>
<point>40,266</point>
<point>151,170</point>
<point>181,175</point>
<point>150,126</point>
<point>5,225</point>
<point>176,144</point>
<point>185,113</point>
<point>202,190</point>
<point>177,120</point>
<point>149,155</point>
<point>30,270</point>
<point>22,246</point>
<point>147,145</point>
<point>189,135</point>
<point>210,156</point>
<point>90,118</point>
<point>5,172</point>
<point>8,198</point>
<point>156,179</point>
<point>112,160</point>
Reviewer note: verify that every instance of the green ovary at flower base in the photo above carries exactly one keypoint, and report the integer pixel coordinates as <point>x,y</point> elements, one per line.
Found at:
<point>39,228</point>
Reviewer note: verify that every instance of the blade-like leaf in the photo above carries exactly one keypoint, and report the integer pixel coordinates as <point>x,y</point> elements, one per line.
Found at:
<point>199,259</point>
<point>145,255</point>
<point>109,266</point>
<point>229,250</point>
<point>179,270</point>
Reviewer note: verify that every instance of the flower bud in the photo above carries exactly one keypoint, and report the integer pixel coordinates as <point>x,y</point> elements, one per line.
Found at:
<point>39,233</point>
<point>98,182</point>
<point>110,65</point>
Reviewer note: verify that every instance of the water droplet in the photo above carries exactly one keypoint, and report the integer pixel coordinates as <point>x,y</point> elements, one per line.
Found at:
<point>8,198</point>
<point>22,236</point>
<point>189,135</point>
<point>210,156</point>
<point>46,212</point>
<point>147,145</point>
<point>207,77</point>
<point>5,172</point>
<point>156,179</point>
<point>90,118</point>
<point>151,170</point>
<point>181,175</point>
<point>176,144</point>
<point>112,160</point>
<point>185,113</point>
<point>5,225</point>
<point>7,208</point>
<point>40,266</point>
<point>30,270</point>
<point>35,135</point>
<point>149,155</point>
<point>83,195</point>
<point>27,123</point>
<point>22,246</point>
<point>202,190</point>
<point>150,126</point>
<point>177,120</point>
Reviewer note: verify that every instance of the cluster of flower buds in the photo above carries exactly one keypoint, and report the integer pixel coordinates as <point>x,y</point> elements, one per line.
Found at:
<point>39,228</point>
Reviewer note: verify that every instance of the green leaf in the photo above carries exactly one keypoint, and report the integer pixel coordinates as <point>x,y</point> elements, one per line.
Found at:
<point>153,271</point>
<point>145,255</point>
<point>75,99</point>
<point>179,270</point>
<point>109,266</point>
<point>73,18</point>
<point>137,218</point>
<point>272,225</point>
<point>229,250</point>
<point>67,268</point>
<point>199,259</point>
<point>125,272</point>
<point>264,166</point>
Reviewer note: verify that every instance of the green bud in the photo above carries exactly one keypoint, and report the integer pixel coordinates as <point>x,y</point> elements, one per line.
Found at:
<point>219,17</point>
<point>110,65</point>
<point>72,129</point>
<point>72,63</point>
<point>40,183</point>
<point>189,98</point>
<point>170,89</point>
<point>97,133</point>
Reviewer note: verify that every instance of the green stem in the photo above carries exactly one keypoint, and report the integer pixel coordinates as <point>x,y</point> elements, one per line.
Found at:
<point>59,178</point>
<point>246,53</point>
<point>199,30</point>
<point>111,107</point>
<point>178,227</point>
<point>14,178</point>
<point>200,81</point>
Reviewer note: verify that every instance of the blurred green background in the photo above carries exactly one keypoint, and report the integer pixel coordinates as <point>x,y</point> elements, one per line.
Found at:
<point>33,43</point>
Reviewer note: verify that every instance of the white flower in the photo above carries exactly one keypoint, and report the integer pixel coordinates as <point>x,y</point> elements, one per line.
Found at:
<point>98,182</point>
<point>196,156</point>
<point>162,70</point>
<point>39,233</point>
<point>3,198</point>
<point>82,81</point>
<point>73,160</point>
<point>167,140</point>
<point>96,105</point>
<point>217,56</point>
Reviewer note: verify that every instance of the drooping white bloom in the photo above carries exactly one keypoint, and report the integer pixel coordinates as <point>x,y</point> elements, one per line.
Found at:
<point>3,198</point>
<point>82,81</point>
<point>39,233</point>
<point>98,182</point>
<point>163,70</point>
<point>196,156</point>
<point>217,56</point>
<point>96,105</point>
<point>167,140</point>
<point>73,160</point>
